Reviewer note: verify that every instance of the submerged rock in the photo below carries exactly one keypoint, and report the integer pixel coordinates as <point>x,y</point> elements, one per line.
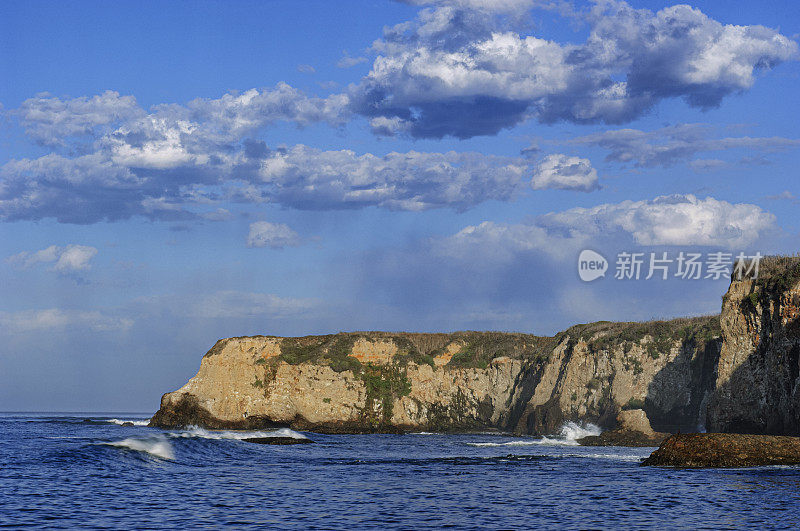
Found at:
<point>277,440</point>
<point>127,424</point>
<point>721,450</point>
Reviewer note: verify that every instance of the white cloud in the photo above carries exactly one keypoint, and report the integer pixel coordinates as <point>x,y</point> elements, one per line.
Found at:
<point>347,61</point>
<point>681,220</point>
<point>75,258</point>
<point>51,120</point>
<point>308,178</point>
<point>668,146</point>
<point>239,304</point>
<point>669,220</point>
<point>563,172</point>
<point>458,70</point>
<point>70,258</point>
<point>274,235</point>
<point>54,319</point>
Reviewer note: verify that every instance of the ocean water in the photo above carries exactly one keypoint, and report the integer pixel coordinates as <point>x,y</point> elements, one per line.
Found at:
<point>88,471</point>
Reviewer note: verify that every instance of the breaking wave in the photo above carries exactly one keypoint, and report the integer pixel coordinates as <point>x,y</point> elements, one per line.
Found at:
<point>201,433</point>
<point>157,446</point>
<point>135,422</point>
<point>568,436</point>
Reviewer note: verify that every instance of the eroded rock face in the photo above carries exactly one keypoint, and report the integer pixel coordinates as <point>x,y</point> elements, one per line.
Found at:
<point>365,382</point>
<point>664,368</point>
<point>757,389</point>
<point>247,383</point>
<point>635,420</point>
<point>633,429</point>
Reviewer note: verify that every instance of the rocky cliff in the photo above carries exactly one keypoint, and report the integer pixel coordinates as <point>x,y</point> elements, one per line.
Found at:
<point>734,372</point>
<point>355,382</point>
<point>361,382</point>
<point>756,388</point>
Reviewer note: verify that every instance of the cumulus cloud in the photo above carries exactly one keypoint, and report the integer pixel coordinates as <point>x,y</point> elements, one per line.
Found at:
<point>175,182</point>
<point>51,120</point>
<point>680,220</point>
<point>67,259</point>
<point>668,146</point>
<point>308,178</point>
<point>456,70</point>
<point>669,220</point>
<point>54,319</point>
<point>274,235</point>
<point>562,172</point>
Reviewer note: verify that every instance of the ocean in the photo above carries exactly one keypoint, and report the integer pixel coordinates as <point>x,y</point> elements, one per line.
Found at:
<point>67,471</point>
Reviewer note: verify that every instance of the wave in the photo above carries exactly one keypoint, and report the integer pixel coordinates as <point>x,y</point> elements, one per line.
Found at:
<point>135,422</point>
<point>157,446</point>
<point>201,433</point>
<point>568,436</point>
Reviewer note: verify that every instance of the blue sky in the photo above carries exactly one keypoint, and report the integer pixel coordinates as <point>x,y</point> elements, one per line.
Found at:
<point>173,173</point>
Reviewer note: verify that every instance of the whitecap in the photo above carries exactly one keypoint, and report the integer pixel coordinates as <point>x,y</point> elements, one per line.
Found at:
<point>202,433</point>
<point>568,436</point>
<point>156,446</point>
<point>135,422</point>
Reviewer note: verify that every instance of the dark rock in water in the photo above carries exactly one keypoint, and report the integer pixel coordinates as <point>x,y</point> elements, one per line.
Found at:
<point>277,440</point>
<point>127,424</point>
<point>633,429</point>
<point>623,438</point>
<point>721,450</point>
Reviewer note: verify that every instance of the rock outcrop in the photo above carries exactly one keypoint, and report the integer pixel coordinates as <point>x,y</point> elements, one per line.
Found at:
<point>737,372</point>
<point>757,389</point>
<point>354,382</point>
<point>633,429</point>
<point>366,382</point>
<point>720,450</point>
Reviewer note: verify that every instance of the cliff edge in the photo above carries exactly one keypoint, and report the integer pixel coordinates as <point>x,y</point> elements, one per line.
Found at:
<point>737,372</point>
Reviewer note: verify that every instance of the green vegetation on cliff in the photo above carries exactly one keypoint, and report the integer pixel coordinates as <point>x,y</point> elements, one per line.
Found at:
<point>480,348</point>
<point>776,275</point>
<point>332,350</point>
<point>607,335</point>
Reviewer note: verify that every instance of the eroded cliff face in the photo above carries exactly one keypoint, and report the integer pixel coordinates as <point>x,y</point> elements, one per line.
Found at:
<point>374,381</point>
<point>596,370</point>
<point>353,382</point>
<point>738,372</point>
<point>757,388</point>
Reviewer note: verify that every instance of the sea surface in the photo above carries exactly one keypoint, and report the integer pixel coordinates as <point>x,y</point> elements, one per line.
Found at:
<point>72,471</point>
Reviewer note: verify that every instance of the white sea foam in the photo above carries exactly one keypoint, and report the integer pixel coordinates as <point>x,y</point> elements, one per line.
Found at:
<point>569,435</point>
<point>157,446</point>
<point>135,422</point>
<point>198,432</point>
<point>572,431</point>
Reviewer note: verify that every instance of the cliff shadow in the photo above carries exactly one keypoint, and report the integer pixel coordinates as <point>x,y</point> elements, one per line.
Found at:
<point>762,395</point>
<point>678,394</point>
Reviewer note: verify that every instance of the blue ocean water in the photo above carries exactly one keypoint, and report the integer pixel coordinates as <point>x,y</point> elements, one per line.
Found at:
<point>87,471</point>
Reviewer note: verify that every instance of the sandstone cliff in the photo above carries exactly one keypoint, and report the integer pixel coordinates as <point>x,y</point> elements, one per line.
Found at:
<point>734,372</point>
<point>355,382</point>
<point>756,388</point>
<point>360,382</point>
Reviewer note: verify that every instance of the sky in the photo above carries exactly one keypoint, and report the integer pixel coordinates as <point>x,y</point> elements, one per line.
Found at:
<point>175,173</point>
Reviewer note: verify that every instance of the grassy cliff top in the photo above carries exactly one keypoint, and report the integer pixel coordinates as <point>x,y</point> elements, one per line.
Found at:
<point>478,349</point>
<point>779,272</point>
<point>606,334</point>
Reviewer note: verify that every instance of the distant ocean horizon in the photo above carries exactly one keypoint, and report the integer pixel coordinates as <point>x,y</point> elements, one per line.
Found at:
<point>109,470</point>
